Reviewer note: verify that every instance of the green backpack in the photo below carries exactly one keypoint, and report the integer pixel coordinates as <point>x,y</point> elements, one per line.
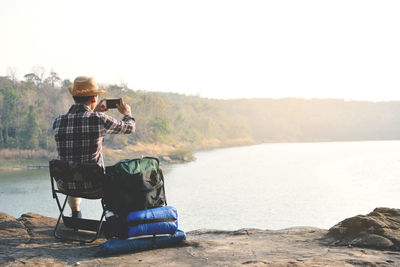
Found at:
<point>134,184</point>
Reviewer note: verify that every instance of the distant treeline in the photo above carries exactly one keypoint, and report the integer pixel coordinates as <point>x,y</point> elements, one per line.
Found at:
<point>293,119</point>
<point>28,109</point>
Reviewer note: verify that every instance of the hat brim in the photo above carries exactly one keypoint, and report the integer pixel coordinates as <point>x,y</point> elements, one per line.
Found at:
<point>90,92</point>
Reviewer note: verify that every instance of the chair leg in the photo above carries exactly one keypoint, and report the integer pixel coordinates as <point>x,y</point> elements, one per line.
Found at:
<point>99,225</point>
<point>59,217</point>
<point>98,230</point>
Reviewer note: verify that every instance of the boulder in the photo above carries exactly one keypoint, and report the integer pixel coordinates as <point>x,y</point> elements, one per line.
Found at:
<point>12,231</point>
<point>379,229</point>
<point>40,227</point>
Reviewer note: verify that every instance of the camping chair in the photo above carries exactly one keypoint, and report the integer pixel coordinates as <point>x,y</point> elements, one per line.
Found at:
<point>77,180</point>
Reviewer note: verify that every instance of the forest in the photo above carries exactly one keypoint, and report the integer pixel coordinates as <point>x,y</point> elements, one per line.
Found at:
<point>28,108</point>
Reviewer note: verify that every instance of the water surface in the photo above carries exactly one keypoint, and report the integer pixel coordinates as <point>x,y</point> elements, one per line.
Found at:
<point>268,186</point>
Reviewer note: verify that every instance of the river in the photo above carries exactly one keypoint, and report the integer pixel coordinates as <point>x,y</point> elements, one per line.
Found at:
<point>267,186</point>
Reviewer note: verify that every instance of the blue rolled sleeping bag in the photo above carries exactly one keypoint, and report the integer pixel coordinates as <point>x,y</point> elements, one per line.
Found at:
<point>114,245</point>
<point>162,220</point>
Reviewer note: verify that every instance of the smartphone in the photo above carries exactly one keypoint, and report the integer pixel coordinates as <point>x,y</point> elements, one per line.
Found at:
<point>112,103</point>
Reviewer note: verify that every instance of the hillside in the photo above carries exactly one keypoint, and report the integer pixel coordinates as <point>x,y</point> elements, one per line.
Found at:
<point>172,124</point>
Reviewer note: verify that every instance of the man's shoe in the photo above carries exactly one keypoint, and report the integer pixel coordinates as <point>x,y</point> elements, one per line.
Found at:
<point>76,214</point>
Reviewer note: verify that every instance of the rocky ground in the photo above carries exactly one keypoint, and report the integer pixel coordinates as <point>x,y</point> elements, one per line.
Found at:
<point>364,240</point>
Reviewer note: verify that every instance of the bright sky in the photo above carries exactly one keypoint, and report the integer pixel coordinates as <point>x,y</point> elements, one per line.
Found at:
<point>218,49</point>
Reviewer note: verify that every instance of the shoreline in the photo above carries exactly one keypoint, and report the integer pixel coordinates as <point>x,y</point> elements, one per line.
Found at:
<point>168,154</point>
<point>183,152</point>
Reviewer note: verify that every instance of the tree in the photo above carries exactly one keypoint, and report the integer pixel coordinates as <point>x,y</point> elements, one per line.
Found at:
<point>32,78</point>
<point>8,113</point>
<point>31,132</point>
<point>12,74</point>
<point>39,71</point>
<point>66,83</point>
<point>1,138</point>
<point>160,127</point>
<point>53,79</point>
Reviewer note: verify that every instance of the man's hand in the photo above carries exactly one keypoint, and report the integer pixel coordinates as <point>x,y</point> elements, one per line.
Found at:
<point>124,108</point>
<point>101,107</point>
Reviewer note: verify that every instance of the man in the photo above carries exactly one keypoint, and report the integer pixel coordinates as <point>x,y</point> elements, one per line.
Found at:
<point>79,133</point>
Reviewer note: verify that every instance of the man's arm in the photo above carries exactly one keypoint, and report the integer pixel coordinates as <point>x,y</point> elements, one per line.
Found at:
<point>113,126</point>
<point>126,126</point>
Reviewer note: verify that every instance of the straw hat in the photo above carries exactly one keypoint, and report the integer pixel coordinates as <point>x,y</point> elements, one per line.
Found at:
<point>85,86</point>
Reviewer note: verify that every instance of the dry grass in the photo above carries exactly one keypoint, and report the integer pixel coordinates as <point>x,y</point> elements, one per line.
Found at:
<point>140,149</point>
<point>211,143</point>
<point>135,151</point>
<point>26,154</point>
<point>156,149</point>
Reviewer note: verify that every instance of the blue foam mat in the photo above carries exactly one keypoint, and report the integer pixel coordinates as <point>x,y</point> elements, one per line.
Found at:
<point>116,246</point>
<point>152,228</point>
<point>163,212</point>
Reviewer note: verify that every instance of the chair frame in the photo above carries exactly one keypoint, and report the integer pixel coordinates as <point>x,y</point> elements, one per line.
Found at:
<point>76,223</point>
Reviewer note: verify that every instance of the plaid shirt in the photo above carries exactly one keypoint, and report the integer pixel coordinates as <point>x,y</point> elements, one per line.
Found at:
<point>79,133</point>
